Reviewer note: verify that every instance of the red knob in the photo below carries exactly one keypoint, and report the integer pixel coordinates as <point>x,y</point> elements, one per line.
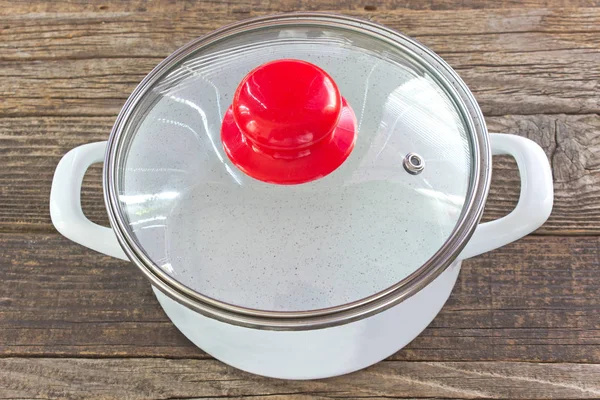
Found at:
<point>288,124</point>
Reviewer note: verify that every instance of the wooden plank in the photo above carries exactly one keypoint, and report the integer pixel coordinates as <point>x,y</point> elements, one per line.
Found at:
<point>177,379</point>
<point>535,300</point>
<point>529,301</point>
<point>248,6</point>
<point>64,78</point>
<point>514,61</point>
<point>572,146</point>
<point>62,299</point>
<point>32,146</point>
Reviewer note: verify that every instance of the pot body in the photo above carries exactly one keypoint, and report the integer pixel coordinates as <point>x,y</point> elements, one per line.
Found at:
<point>319,353</point>
<point>345,346</point>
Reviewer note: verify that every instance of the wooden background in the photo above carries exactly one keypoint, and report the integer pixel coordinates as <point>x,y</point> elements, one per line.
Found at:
<point>523,321</point>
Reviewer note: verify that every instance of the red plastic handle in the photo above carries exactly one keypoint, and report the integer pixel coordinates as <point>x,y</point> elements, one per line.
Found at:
<point>288,124</point>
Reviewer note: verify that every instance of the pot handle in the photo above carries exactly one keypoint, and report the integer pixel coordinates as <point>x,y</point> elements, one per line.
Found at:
<point>65,202</point>
<point>535,200</point>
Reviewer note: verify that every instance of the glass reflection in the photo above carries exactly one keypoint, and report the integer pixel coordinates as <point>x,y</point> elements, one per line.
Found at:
<point>338,239</point>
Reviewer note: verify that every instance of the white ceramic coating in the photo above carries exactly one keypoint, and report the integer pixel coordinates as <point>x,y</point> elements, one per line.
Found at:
<point>535,200</point>
<point>326,352</point>
<point>65,202</point>
<point>532,210</point>
<point>313,353</point>
<point>339,239</point>
<point>320,353</point>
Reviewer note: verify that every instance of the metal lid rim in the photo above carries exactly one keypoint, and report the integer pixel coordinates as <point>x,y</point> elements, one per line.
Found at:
<point>322,318</point>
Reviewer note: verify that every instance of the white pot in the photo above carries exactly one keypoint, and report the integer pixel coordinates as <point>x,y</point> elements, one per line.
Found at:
<point>319,341</point>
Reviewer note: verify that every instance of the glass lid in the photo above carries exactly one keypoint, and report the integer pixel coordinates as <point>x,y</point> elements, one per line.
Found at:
<point>295,163</point>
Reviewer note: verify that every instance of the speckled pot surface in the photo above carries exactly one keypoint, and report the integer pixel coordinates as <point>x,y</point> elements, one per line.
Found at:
<point>341,238</point>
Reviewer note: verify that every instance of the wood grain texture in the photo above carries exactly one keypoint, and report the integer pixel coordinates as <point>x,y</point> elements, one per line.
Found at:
<point>540,61</point>
<point>31,148</point>
<point>177,379</point>
<point>537,300</point>
<point>523,322</point>
<point>247,6</point>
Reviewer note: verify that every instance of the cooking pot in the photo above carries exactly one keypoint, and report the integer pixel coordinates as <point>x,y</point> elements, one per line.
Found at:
<point>300,190</point>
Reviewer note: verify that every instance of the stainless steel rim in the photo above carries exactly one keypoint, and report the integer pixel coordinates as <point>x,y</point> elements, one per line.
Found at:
<point>327,317</point>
